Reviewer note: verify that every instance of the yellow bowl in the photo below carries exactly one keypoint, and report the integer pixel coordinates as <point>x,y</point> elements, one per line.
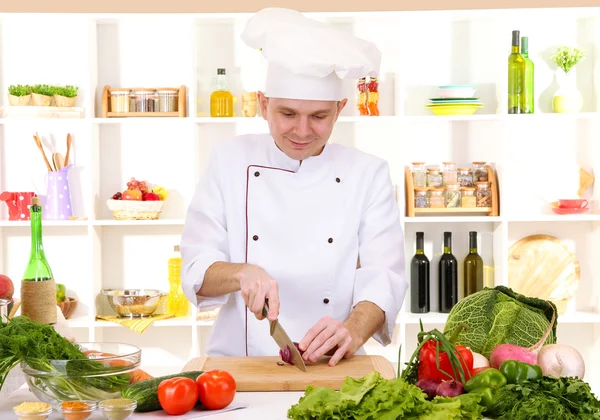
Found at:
<point>454,109</point>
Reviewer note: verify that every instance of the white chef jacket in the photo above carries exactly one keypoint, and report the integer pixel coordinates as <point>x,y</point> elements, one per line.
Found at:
<point>306,225</point>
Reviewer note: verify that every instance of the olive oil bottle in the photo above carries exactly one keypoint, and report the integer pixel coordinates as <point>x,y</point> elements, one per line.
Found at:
<point>473,268</point>
<point>221,99</point>
<point>419,279</point>
<point>516,76</point>
<point>527,98</point>
<point>447,277</point>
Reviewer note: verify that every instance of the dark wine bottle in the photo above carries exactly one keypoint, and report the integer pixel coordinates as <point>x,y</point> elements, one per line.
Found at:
<point>448,276</point>
<point>419,279</point>
<point>473,268</point>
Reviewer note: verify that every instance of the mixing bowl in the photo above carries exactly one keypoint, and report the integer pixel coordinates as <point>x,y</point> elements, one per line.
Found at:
<point>133,303</point>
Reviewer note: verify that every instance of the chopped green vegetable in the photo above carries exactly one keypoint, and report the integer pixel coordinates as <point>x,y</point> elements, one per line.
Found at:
<point>500,316</point>
<point>373,397</point>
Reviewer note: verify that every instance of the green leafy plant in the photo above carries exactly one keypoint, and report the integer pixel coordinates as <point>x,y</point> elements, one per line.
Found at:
<point>43,89</point>
<point>19,90</point>
<point>67,91</point>
<point>567,57</point>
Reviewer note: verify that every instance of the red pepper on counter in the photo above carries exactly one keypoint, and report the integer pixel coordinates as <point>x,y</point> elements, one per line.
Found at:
<point>428,367</point>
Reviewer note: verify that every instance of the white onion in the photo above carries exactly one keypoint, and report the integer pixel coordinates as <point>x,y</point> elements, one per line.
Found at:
<point>560,360</point>
<point>479,360</point>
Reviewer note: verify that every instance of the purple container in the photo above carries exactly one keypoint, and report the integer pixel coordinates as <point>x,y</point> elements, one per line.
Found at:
<point>57,205</point>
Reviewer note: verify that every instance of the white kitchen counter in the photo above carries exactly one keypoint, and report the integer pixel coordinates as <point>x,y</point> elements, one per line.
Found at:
<point>261,406</point>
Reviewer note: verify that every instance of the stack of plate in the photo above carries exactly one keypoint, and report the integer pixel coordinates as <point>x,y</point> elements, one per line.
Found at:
<point>455,100</point>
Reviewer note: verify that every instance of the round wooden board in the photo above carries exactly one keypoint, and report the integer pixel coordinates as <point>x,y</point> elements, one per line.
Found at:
<point>542,266</point>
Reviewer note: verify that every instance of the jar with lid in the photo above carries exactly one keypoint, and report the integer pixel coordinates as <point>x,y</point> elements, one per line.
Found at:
<point>419,174</point>
<point>168,99</point>
<point>143,100</point>
<point>434,177</point>
<point>467,197</point>
<point>452,194</point>
<point>421,198</point>
<point>119,100</point>
<point>449,172</point>
<point>464,177</point>
<point>483,194</point>
<point>436,198</point>
<point>479,172</point>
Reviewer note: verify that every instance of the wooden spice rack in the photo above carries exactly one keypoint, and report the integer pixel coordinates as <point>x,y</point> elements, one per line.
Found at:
<point>411,211</point>
<point>107,112</point>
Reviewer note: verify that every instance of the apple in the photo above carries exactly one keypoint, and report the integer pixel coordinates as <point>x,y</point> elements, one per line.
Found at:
<point>130,194</point>
<point>150,196</point>
<point>7,289</point>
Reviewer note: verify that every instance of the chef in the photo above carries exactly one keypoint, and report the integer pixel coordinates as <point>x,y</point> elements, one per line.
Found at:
<point>286,217</point>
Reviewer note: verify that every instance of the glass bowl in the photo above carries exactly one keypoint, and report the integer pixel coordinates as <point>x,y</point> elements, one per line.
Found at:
<point>118,408</point>
<point>23,415</point>
<point>101,376</point>
<point>75,414</point>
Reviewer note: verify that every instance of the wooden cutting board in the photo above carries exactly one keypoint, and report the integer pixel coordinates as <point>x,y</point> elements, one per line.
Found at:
<point>257,373</point>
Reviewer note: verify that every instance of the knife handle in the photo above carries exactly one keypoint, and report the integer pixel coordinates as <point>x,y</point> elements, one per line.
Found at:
<point>266,308</point>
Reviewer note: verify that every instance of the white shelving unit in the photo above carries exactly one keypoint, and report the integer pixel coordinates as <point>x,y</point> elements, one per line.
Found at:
<point>421,50</point>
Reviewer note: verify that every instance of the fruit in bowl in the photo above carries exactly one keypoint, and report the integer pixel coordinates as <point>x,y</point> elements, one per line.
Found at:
<point>139,201</point>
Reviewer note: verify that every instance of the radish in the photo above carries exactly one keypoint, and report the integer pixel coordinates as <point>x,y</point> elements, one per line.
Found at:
<point>561,360</point>
<point>503,352</point>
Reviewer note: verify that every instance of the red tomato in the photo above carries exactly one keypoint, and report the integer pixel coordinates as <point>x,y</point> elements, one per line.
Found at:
<point>177,395</point>
<point>479,369</point>
<point>216,389</point>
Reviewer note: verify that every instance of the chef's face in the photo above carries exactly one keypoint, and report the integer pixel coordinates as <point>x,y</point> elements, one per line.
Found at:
<point>300,127</point>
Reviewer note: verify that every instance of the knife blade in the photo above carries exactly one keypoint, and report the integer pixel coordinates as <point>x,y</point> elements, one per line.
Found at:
<point>284,341</point>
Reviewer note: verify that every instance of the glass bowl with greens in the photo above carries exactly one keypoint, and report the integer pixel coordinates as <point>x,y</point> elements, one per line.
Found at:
<point>94,372</point>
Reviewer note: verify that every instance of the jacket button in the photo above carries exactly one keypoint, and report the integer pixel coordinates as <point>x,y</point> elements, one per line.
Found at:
<point>325,301</point>
<point>330,240</point>
<point>338,180</point>
<point>255,237</point>
<point>256,173</point>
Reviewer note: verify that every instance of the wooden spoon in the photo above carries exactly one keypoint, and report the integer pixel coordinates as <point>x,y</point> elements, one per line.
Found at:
<point>69,140</point>
<point>59,161</point>
<point>36,137</point>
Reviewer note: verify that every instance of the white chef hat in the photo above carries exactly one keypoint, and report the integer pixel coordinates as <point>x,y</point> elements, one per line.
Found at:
<point>307,59</point>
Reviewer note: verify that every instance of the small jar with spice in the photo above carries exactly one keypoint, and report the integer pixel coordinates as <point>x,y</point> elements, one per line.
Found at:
<point>168,99</point>
<point>76,410</point>
<point>436,198</point>
<point>421,198</point>
<point>452,195</point>
<point>479,172</point>
<point>143,100</point>
<point>119,100</point>
<point>483,194</point>
<point>449,172</point>
<point>118,408</point>
<point>434,177</point>
<point>467,197</point>
<point>419,174</point>
<point>464,177</point>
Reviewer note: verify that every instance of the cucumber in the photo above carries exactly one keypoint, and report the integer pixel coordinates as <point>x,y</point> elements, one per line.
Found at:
<point>146,392</point>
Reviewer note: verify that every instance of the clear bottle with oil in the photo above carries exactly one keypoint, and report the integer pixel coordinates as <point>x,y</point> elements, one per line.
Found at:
<point>177,303</point>
<point>221,99</point>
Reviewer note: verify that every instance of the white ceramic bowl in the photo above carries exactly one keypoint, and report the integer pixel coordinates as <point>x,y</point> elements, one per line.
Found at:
<point>456,91</point>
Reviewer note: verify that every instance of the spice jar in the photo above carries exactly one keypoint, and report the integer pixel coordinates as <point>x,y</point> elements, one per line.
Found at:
<point>479,172</point>
<point>450,173</point>
<point>421,198</point>
<point>464,177</point>
<point>119,100</point>
<point>361,96</point>
<point>434,177</point>
<point>77,410</point>
<point>483,194</point>
<point>168,99</point>
<point>452,194</point>
<point>32,410</point>
<point>118,408</point>
<point>373,96</point>
<point>419,174</point>
<point>143,100</point>
<point>249,104</point>
<point>436,198</point>
<point>467,197</point>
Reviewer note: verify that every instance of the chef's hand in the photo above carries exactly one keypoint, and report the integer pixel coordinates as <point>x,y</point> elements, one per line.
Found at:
<point>257,285</point>
<point>328,337</point>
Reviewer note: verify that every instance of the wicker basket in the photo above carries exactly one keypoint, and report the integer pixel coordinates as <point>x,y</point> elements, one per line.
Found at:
<point>135,210</point>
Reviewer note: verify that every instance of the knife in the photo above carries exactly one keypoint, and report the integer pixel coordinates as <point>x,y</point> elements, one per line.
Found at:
<point>283,340</point>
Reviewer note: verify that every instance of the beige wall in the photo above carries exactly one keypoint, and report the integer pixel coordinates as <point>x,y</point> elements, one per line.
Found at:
<point>211,6</point>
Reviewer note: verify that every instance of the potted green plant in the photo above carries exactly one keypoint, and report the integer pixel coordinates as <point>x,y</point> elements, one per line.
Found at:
<point>19,95</point>
<point>65,95</point>
<point>41,95</point>
<point>567,98</point>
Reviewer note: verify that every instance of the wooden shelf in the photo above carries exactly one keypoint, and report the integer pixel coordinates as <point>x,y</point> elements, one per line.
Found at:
<point>455,210</point>
<point>141,114</point>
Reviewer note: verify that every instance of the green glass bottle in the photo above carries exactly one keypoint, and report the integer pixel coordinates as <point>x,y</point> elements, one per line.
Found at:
<point>473,268</point>
<point>38,288</point>
<point>447,277</point>
<point>516,76</point>
<point>527,97</point>
<point>419,279</point>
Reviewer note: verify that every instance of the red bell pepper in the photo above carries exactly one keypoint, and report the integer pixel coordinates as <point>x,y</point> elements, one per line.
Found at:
<point>428,367</point>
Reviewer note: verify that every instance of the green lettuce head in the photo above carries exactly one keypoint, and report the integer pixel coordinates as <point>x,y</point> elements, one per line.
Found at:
<point>500,316</point>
